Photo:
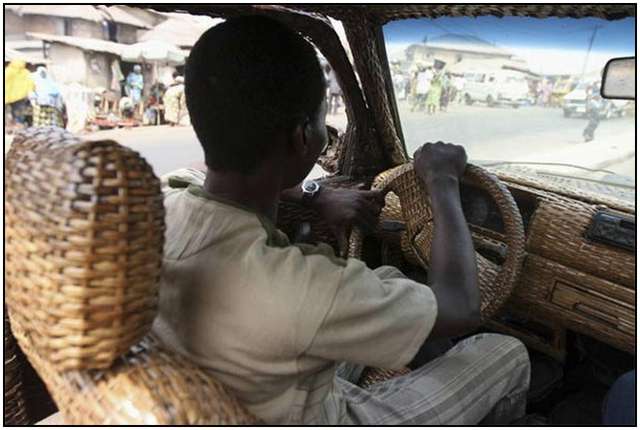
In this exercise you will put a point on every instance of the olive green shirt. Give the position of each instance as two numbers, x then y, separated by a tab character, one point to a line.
273	320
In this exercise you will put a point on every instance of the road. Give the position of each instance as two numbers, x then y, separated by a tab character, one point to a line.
506	134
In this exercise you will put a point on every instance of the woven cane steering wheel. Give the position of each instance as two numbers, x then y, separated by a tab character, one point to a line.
496	282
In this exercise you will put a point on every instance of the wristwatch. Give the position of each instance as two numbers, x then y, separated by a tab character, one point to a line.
310	190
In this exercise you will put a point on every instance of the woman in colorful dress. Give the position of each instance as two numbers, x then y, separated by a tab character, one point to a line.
48	106
18	84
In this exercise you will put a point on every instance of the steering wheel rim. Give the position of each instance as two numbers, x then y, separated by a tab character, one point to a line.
496	282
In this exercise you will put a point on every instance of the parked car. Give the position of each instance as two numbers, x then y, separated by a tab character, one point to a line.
496	88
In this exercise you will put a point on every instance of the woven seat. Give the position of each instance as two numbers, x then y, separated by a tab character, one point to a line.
84	238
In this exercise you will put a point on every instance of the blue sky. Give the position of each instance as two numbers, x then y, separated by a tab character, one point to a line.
566	33
549	46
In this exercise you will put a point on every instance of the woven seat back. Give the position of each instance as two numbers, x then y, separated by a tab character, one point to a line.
84	237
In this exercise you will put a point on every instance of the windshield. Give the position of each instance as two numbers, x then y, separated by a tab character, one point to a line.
498	87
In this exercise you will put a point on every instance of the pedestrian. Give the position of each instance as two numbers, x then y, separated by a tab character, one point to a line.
446	92
133	87
423	84
335	93
547	88
593	107
175	102
48	105
152	104
458	85
399	85
111	96
435	92
18	84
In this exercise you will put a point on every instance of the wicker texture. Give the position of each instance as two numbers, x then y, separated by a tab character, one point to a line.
147	385
554	190
15	408
384	13
495	283
555	293
84	244
370	70
557	232
374	375
292	215
85	227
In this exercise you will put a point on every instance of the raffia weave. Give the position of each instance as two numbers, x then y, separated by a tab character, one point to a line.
495	283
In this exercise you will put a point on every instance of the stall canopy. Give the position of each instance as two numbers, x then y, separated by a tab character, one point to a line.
153	51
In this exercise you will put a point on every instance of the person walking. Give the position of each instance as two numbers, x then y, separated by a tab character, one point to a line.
18	84
435	92
458	85
422	88
593	108
446	92
134	86
48	105
174	102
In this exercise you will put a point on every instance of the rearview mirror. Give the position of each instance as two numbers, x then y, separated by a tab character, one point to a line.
619	79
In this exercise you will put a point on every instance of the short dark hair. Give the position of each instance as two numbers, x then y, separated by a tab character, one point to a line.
247	79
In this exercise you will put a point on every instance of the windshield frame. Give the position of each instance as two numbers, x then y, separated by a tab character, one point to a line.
388	83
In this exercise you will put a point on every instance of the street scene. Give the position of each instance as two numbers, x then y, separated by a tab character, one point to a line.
115	72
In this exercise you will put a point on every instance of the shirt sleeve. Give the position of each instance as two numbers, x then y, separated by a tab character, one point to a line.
376	319
181	178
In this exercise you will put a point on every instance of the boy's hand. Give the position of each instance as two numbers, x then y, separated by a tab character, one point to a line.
433	161
341	208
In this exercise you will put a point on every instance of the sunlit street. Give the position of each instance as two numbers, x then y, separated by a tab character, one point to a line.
526	134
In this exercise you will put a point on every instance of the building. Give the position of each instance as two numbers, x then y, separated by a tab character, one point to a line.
454	48
98	22
180	30
81	60
122	26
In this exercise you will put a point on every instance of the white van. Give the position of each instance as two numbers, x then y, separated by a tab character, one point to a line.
495	87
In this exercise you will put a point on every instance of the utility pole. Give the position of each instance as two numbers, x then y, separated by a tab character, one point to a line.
586	58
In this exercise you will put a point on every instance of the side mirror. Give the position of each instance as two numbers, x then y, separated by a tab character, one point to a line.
619	79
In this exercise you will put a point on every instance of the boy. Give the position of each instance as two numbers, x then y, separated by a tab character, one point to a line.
289	328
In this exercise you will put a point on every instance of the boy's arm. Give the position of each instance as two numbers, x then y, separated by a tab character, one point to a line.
453	273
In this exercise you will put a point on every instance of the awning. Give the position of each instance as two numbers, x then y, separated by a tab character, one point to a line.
153	51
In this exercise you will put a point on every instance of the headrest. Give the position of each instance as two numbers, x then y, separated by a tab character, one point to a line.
84	238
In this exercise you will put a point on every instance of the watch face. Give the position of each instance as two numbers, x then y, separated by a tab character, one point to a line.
310	186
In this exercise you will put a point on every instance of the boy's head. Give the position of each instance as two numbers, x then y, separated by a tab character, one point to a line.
255	88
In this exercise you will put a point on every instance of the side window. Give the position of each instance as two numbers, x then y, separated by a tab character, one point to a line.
336	120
